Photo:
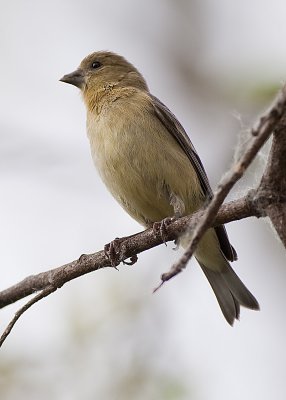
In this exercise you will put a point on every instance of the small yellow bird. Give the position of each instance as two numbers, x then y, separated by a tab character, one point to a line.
147	161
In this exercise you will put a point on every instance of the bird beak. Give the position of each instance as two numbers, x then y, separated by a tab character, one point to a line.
75	78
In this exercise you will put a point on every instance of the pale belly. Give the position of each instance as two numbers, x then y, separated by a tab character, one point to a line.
142	170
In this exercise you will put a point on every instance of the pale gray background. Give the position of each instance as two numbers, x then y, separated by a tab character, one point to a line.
105	336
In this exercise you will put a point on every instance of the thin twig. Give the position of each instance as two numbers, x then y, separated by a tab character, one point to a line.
44	293
265	127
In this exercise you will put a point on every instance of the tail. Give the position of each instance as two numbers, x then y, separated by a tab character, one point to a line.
212	254
230	292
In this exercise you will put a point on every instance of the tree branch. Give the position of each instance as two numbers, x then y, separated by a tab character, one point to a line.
273	182
46	292
130	246
49	281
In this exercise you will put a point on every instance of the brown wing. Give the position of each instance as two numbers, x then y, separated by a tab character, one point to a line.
177	131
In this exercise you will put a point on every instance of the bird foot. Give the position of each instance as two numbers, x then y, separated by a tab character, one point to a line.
160	228
114	251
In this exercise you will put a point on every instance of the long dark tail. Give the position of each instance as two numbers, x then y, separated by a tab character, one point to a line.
230	292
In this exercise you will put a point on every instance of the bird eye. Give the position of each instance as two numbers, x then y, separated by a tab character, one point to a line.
95	64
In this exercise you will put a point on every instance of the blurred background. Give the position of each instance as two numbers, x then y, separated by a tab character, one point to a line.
217	66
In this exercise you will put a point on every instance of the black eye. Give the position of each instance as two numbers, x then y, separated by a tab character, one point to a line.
95	64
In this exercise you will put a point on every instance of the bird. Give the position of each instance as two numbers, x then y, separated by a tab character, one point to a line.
149	164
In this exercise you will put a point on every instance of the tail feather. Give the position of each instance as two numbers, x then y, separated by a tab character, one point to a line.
230	292
239	290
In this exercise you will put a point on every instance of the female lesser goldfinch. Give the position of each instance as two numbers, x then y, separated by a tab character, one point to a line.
150	166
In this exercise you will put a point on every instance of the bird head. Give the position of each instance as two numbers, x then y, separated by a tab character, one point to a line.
104	69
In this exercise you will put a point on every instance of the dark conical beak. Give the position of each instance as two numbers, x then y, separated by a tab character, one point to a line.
75	78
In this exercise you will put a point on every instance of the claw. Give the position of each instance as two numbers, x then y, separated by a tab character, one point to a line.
132	261
177	245
82	258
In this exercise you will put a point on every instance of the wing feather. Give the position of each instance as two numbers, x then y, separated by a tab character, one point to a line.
174	127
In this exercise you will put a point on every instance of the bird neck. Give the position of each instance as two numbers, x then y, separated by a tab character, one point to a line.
103	96
109	88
